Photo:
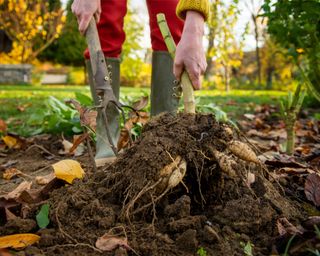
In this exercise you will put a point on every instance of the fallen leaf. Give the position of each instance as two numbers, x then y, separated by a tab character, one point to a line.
123	139
312	188
10	173
43	216
12	142
23	107
43	180
295	171
78	147
249	116
68	170
8	164
67	145
139	117
140	104
3	126
14	194
9	215
32	196
18	241
110	242
285	227
88	117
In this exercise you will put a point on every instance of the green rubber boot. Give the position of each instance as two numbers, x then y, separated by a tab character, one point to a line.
104	153
165	94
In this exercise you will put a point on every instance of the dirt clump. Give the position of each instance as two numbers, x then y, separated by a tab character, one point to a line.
170	195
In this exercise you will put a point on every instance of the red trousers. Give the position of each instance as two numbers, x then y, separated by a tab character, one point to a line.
110	27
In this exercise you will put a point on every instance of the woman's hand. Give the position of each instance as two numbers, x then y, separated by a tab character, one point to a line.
84	10
190	53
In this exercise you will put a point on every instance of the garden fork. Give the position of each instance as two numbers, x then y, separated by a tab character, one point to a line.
101	79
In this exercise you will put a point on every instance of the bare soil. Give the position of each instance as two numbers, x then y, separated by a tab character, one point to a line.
209	209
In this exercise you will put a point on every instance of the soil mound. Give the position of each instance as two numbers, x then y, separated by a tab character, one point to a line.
217	201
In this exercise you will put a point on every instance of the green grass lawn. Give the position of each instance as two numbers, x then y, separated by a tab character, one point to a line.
19	102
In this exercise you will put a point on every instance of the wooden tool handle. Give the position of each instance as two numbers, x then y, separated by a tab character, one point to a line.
93	43
187	88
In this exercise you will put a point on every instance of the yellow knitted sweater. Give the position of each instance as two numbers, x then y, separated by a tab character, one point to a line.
201	6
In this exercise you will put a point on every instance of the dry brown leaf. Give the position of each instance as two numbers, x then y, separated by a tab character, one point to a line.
312	188
89	119
9	215
110	242
14	194
87	116
18	241
285	227
140	117
78	146
43	180
140	104
10	173
67	145
3	126
123	139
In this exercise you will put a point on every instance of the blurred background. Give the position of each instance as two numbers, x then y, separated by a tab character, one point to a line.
257	51
240	52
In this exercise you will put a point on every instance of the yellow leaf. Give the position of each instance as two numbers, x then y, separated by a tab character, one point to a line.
68	170
10	141
18	241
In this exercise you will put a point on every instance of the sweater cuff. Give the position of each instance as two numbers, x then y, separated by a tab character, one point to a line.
201	6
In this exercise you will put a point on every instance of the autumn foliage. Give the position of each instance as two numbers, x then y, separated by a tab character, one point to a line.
31	26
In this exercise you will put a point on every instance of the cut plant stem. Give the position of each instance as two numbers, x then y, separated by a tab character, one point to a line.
187	89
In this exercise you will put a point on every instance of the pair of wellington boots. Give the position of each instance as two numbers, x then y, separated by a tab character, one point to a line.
164	98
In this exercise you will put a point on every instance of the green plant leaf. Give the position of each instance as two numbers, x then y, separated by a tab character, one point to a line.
43	216
83	99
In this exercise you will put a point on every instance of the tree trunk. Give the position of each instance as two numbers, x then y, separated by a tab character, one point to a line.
226	78
209	49
269	78
256	35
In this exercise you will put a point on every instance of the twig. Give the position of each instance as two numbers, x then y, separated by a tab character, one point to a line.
42	169
42	148
60	228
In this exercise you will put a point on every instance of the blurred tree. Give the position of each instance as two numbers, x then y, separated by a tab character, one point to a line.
259	25
212	25
295	24
69	47
31	26
224	48
132	66
275	63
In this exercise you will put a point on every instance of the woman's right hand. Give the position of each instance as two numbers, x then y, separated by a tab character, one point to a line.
84	10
